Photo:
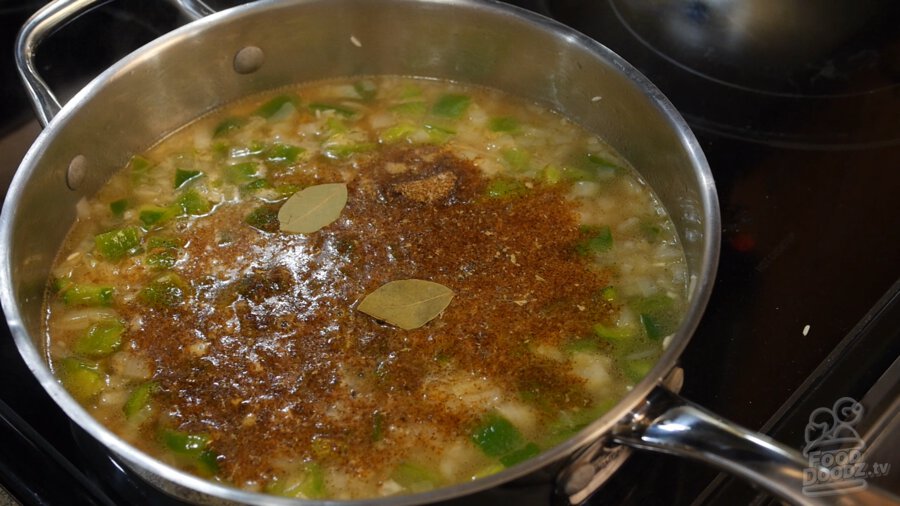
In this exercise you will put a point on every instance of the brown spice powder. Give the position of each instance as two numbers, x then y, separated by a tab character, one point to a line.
292	371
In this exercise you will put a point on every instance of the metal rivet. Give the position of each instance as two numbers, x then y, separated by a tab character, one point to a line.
76	172
248	60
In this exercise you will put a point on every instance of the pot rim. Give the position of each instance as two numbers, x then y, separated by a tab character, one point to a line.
699	290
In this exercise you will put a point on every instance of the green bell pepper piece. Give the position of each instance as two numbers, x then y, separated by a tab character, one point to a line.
306	483
651	230
102	338
635	370
161	260
184	443
162	252
283	154
227	126
438	134
615	334
117	244
274	106
157	215
489	470
414	108
587	344
496	436
516	159
415	478
451	105
366	89
192	203
342	151
118	207
397	133
87	295
569	423
256	184
82	379
551	174
264	217
167	290
139	169
241	173
594	240
162	242
609	294
182	176
504	124
286	190
194	447
313	484
505	188
598	161
658	314
139	399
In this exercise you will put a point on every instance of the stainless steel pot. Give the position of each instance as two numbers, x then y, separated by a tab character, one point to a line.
269	44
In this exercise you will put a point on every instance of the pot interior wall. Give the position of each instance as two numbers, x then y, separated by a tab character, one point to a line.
178	78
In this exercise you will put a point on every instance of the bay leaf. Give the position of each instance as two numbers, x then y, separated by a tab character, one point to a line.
312	208
407	303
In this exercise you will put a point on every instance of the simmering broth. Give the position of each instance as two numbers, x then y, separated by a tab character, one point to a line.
367	287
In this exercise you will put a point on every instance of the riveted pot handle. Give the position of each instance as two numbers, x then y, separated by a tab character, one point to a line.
46	21
670	424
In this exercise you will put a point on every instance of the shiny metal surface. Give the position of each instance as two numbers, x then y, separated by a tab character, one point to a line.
195	9
671	424
588	469
46	21
747	44
190	71
35	30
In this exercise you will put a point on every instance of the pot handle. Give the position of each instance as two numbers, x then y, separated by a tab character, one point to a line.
670	424
46	21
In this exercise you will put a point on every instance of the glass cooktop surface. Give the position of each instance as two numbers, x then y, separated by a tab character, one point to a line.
796	108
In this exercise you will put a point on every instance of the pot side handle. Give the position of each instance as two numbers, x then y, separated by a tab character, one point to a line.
47	20
670	424
38	27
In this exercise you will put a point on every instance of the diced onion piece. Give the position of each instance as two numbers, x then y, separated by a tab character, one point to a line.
593	368
130	365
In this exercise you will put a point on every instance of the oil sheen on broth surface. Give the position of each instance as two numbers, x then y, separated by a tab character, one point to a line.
361	288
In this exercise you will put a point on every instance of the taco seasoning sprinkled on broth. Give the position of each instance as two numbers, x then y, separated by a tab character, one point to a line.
352	289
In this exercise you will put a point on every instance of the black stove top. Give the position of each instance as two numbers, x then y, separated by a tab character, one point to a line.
798	111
